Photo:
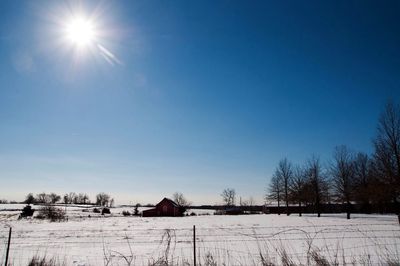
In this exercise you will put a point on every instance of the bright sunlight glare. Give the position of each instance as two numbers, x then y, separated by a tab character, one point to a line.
83	35
80	31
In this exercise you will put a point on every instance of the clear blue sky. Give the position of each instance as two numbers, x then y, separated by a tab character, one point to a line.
200	96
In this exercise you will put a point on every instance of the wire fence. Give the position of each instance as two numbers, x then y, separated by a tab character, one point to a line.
233	245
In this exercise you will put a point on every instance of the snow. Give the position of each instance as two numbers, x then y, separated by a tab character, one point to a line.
237	240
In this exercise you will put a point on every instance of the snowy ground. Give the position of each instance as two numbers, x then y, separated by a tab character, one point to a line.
235	240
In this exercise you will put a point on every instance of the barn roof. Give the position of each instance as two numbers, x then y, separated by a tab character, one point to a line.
170	201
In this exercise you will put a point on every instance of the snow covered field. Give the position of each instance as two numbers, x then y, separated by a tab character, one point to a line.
235	240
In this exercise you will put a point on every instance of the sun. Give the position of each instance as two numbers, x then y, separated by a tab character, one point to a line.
85	35
80	32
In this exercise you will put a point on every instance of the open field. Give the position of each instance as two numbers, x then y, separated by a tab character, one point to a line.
233	240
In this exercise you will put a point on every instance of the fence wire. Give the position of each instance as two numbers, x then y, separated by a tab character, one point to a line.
236	245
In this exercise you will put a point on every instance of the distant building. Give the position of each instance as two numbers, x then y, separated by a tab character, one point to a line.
166	207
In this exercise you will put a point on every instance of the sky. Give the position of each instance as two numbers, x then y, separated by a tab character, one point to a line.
189	96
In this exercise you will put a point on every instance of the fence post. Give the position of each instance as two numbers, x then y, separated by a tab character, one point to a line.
194	245
8	247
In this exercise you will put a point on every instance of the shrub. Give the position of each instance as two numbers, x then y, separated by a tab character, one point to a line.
95	210
136	211
126	213
51	213
44	261
105	211
27	211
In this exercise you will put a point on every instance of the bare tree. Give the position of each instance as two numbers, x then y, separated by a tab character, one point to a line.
71	197
102	199
65	199
298	187
318	184
247	204
54	198
180	199
29	199
285	173
228	196
79	198
250	203
42	198
387	151
342	171
363	184
85	199
182	202
275	190
75	199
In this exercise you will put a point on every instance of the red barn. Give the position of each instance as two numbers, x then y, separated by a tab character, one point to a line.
166	207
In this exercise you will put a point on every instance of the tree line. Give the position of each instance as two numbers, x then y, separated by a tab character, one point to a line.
102	199
370	180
